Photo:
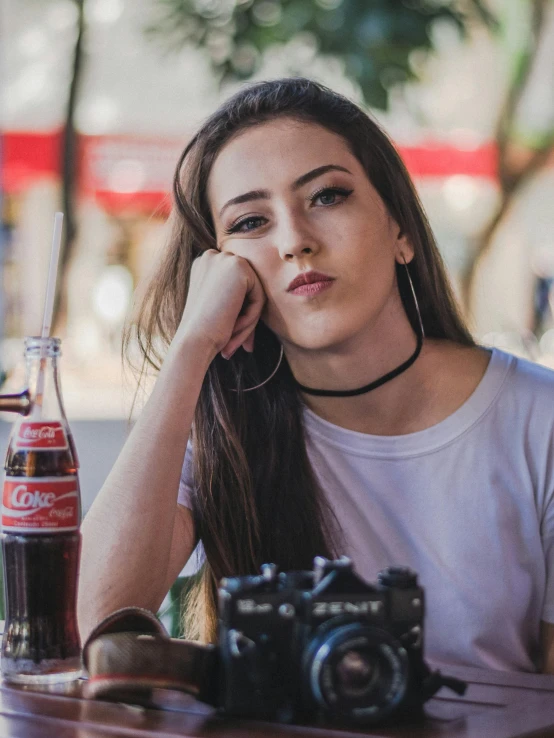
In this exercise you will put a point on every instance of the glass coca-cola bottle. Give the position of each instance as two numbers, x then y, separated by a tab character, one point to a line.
41	514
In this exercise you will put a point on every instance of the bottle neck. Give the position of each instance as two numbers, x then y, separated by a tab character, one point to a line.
43	383
42	378
41	443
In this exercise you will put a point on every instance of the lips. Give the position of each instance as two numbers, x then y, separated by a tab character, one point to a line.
307	278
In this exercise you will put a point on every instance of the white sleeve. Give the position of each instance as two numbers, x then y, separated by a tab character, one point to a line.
186	483
548	547
186	486
547	537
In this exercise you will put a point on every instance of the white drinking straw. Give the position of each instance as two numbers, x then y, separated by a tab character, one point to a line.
52	275
49	303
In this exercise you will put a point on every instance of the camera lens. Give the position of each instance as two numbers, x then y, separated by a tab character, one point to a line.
356	672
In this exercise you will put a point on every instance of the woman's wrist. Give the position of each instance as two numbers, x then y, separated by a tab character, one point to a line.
187	346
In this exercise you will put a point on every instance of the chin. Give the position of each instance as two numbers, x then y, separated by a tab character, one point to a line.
316	332
316	340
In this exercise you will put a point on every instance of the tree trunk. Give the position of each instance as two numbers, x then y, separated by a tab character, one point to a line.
511	176
483	245
69	170
514	181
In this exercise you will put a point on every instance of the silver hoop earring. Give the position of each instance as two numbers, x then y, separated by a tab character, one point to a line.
273	373
415	298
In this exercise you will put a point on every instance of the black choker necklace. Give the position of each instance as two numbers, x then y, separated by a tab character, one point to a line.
372	385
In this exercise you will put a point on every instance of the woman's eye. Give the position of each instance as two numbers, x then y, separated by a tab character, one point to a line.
330	196
245	225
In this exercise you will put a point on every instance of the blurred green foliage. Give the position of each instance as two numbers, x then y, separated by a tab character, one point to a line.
171	612
374	39
2	605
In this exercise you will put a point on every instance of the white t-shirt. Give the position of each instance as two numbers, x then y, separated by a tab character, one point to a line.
468	504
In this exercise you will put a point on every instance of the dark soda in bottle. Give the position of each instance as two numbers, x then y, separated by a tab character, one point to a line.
41	514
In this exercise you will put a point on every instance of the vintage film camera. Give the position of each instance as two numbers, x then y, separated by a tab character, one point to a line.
297	646
301	645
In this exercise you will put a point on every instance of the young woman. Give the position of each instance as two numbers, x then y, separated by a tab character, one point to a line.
334	400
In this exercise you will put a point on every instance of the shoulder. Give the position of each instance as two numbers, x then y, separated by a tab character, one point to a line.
525	399
523	375
473	365
495	385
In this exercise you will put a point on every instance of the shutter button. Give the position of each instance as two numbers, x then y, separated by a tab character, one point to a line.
397	576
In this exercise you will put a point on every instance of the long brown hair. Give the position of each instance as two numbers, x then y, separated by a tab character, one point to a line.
256	498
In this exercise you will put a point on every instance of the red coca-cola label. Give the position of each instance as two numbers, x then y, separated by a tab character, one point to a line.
40	504
41	435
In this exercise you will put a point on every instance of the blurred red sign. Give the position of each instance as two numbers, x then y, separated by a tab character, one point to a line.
26	157
129	172
135	173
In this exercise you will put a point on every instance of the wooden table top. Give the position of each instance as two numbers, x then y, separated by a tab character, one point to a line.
496	705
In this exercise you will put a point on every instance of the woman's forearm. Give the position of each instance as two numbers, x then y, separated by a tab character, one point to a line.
127	533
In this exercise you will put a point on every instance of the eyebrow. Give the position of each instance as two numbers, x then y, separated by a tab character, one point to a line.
297	184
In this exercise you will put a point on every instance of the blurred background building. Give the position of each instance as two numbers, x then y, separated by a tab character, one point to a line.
99	97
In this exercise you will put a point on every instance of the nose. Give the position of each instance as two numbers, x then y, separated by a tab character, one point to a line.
294	239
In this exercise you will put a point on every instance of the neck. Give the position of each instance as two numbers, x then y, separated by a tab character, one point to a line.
435	386
355	366
394	408
371	386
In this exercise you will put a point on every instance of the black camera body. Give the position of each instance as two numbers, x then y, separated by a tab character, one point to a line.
323	643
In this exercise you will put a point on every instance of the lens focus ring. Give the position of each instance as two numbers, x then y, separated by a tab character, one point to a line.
356	671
